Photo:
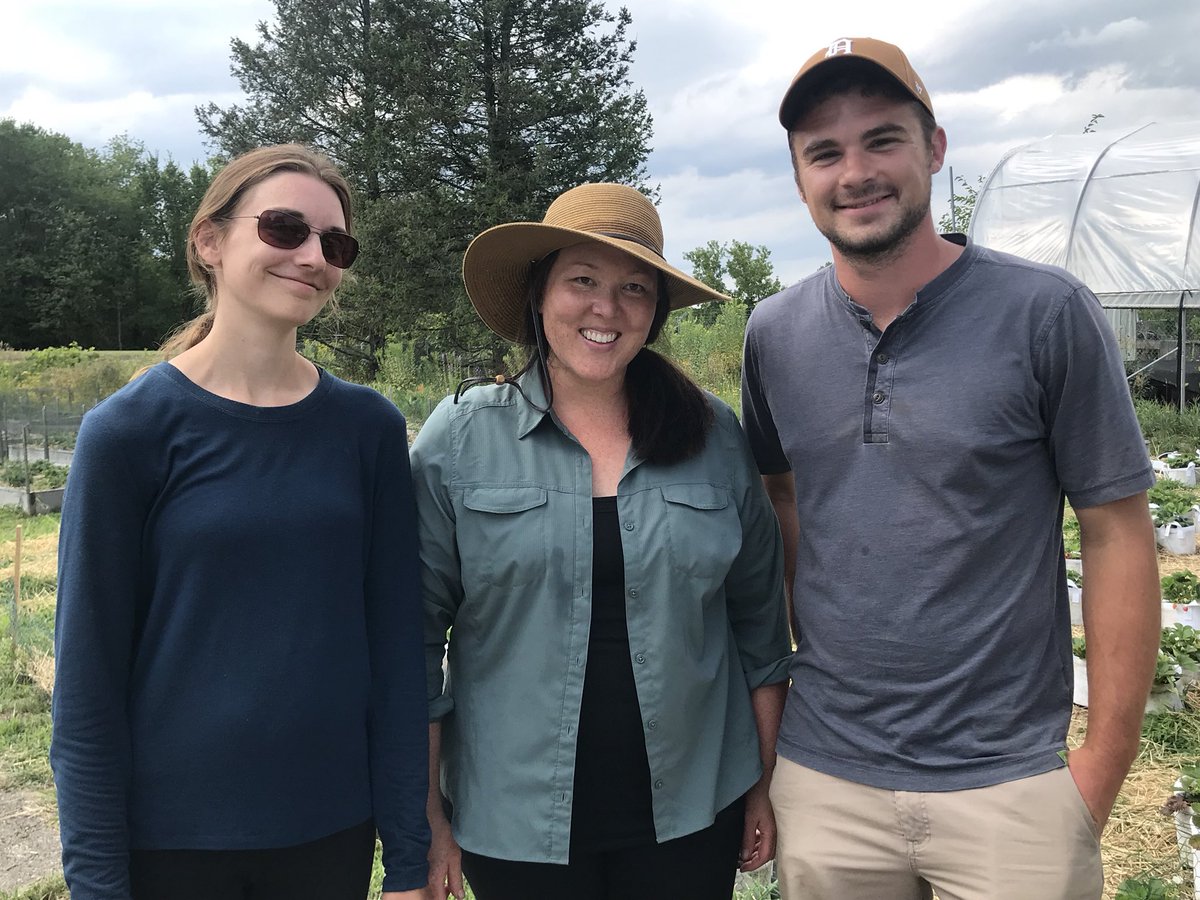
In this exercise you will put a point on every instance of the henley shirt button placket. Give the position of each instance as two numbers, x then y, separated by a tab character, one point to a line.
882	359
879	397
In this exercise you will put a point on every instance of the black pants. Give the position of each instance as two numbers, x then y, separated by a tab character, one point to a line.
337	867
698	866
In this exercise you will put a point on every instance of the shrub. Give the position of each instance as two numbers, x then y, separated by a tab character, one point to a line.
43	475
1166	429
711	355
1167	490
1142	889
1181	587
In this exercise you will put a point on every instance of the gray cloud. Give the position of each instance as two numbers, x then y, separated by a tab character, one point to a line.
718	153
1069	39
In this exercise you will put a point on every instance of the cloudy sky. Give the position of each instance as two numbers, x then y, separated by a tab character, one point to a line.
713	71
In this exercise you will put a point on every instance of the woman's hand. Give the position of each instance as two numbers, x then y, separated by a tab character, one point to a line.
758	834
445	862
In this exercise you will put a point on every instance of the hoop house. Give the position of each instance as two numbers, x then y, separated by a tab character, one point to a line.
1121	214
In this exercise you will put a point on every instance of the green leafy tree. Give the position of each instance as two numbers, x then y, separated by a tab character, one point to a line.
737	269
92	241
959	219
448	116
168	197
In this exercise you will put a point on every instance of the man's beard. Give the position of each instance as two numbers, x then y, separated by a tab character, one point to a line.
884	247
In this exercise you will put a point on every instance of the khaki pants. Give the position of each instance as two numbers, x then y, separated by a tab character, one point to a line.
1030	839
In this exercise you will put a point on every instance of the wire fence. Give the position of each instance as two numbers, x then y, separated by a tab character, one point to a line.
33	428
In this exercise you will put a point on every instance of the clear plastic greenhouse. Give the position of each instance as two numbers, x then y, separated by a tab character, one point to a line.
1121	213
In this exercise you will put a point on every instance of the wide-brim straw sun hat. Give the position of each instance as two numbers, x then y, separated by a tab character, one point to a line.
497	264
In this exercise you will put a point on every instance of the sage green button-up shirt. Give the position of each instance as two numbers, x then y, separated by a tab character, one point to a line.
504	497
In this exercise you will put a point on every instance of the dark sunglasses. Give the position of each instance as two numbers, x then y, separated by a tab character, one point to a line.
287	232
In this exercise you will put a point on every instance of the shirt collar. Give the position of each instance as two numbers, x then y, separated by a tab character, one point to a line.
529	415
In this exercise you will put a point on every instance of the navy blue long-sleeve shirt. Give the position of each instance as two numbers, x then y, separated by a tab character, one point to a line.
238	647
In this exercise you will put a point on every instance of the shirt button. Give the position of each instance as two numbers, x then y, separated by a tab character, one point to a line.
639	658
658	784
653	723
629	526
878	396
882	358
633	593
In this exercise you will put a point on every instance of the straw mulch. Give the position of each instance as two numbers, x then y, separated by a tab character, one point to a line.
1139	841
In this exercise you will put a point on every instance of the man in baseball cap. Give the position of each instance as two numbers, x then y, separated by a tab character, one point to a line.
919	409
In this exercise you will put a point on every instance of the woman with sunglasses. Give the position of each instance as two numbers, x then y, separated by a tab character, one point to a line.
239	702
596	541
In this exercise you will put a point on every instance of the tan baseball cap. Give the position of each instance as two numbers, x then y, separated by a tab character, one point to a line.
887	56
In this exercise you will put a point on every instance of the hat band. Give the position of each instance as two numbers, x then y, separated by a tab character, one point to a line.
632	240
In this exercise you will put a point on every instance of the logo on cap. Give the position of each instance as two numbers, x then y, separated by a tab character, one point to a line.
841	45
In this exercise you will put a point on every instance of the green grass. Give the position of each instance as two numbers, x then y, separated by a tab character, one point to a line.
24	725
1175	734
31	526
1167	429
50	888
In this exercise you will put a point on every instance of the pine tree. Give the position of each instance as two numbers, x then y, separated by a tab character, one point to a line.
449	116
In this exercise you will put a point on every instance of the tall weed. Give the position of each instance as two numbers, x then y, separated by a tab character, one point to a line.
710	354
1167	429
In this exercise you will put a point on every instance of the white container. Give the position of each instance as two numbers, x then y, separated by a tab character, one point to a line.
1163	700
1179	540
1080	694
1184	829
1075	599
1185	475
1074	564
1182	613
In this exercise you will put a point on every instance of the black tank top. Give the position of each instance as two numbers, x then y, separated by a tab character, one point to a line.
612	806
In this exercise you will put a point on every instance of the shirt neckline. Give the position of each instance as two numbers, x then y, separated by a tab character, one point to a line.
291	411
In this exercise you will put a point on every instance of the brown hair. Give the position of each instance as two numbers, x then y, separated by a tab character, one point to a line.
219	203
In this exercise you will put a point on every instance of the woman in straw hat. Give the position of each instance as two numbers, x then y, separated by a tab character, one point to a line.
240	702
596	535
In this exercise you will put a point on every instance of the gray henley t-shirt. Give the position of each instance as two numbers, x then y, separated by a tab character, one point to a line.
931	464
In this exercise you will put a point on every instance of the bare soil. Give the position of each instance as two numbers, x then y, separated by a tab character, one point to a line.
29	847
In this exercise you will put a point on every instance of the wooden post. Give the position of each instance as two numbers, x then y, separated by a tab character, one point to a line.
45	435
16	609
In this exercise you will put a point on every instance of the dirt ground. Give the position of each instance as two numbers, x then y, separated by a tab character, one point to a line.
29	848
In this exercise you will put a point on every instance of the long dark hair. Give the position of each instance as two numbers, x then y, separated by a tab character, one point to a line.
669	416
